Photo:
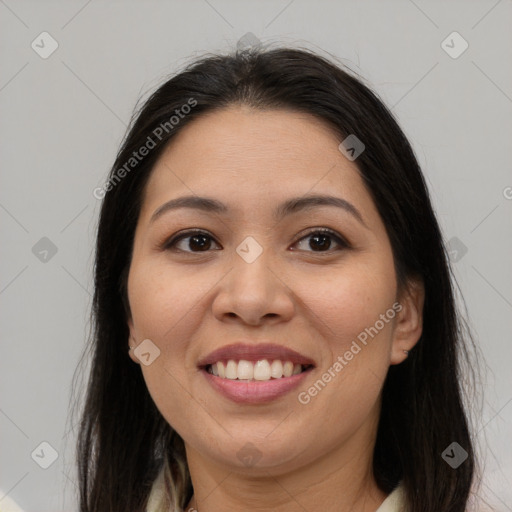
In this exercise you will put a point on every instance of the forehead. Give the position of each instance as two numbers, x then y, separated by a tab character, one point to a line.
248	156
239	133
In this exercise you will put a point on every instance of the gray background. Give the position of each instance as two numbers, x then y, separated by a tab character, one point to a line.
64	117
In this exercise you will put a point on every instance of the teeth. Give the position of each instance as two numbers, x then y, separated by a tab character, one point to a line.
288	369
260	370
245	370
231	370
276	369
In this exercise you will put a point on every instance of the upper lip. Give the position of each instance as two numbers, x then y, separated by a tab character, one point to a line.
255	352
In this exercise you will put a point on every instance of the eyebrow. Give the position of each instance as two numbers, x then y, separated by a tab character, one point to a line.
290	206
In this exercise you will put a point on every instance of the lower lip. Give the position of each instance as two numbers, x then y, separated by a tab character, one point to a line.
254	391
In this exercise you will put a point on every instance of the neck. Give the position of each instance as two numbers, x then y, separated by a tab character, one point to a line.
341	481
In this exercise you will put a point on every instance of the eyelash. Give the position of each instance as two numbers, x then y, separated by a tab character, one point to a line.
169	245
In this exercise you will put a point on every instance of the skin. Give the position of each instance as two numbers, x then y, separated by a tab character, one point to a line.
315	456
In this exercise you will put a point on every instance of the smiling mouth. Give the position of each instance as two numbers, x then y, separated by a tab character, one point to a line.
262	370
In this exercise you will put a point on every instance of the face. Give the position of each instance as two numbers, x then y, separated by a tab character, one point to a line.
256	273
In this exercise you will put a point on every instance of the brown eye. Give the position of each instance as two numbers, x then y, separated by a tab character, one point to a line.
194	241
321	240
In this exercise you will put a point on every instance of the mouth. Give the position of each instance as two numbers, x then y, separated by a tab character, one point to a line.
255	374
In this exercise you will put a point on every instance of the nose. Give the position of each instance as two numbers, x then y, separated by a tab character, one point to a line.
253	293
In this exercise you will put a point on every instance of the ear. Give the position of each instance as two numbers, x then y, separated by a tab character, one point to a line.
409	320
131	342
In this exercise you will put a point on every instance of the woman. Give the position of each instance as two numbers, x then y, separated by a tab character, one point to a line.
275	326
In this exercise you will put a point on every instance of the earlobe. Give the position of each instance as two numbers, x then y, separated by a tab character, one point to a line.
409	321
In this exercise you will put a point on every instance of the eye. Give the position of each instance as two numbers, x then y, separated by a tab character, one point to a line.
198	241
320	240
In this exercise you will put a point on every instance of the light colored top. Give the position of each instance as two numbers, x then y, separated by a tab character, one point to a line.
393	503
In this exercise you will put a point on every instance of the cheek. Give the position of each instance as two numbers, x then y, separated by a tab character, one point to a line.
165	308
348	310
350	300
159	298
168	307
357	347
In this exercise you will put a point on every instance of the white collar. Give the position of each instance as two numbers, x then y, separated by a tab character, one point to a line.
393	503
